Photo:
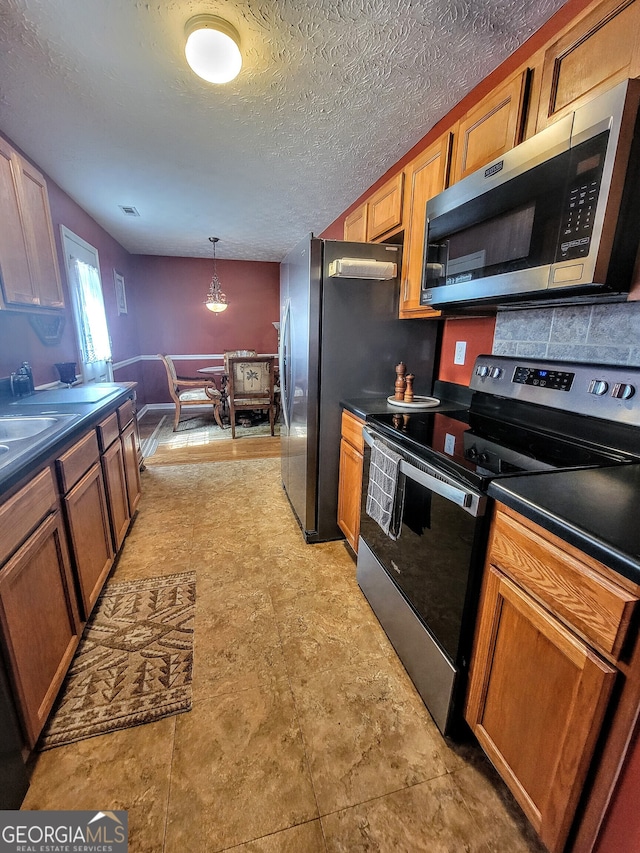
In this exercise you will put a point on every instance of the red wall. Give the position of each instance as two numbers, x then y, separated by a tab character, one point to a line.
478	334
173	319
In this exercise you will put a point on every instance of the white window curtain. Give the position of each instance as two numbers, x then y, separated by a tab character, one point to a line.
92	322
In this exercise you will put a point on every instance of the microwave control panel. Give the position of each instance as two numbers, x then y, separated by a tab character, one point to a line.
576	226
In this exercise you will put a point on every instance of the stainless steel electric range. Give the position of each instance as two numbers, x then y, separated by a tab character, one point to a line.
422	576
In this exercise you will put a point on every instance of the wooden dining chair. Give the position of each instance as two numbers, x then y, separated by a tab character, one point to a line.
235	353
190	392
250	386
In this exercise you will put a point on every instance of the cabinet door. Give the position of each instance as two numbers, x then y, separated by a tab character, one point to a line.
425	177
385	208
90	534
492	127
116	486
355	224
131	466
42	250
15	275
349	489
598	52
39	621
536	701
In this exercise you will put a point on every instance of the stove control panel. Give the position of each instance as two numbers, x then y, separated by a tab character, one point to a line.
603	391
556	380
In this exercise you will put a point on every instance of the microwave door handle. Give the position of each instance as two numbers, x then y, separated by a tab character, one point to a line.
469	501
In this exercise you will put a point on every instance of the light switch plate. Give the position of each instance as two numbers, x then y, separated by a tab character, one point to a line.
461	352
449	443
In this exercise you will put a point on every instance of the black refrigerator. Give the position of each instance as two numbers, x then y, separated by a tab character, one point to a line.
340	339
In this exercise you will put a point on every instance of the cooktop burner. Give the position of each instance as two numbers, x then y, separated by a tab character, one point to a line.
525	417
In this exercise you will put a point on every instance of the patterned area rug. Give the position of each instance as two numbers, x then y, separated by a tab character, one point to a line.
198	432
134	661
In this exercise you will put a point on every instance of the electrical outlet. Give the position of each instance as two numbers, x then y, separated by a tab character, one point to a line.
461	352
449	443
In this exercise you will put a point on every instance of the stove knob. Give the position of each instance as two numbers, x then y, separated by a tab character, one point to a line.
482	370
623	391
496	372
483	457
598	387
472	453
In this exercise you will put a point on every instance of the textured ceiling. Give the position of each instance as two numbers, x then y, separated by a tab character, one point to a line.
332	93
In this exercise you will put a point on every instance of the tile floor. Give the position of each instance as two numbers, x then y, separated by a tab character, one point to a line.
306	734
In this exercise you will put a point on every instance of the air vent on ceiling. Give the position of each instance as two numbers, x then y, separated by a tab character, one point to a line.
128	210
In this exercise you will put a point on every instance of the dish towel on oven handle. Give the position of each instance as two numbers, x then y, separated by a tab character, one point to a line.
384	495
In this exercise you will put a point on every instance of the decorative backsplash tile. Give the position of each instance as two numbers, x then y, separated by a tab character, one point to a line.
608	333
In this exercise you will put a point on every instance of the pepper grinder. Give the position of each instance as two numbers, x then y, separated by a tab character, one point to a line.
401	382
408	394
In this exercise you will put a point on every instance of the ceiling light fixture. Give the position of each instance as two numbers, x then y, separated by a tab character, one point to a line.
213	48
216	300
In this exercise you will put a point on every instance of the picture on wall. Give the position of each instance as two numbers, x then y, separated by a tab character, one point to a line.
121	296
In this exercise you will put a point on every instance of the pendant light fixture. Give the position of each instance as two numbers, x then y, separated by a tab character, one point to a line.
216	300
213	48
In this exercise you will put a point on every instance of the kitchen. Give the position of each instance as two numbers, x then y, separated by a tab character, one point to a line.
588	333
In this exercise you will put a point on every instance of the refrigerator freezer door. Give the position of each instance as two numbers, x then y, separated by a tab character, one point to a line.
300	312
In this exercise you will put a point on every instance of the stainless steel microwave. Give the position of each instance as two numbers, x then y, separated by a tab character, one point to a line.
557	217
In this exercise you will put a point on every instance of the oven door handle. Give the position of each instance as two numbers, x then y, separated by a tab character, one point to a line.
471	502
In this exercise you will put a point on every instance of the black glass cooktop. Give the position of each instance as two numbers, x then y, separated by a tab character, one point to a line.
480	448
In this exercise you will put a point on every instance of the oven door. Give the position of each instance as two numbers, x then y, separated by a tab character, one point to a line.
423	586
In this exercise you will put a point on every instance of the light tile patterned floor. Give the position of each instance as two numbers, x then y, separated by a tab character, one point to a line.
306	734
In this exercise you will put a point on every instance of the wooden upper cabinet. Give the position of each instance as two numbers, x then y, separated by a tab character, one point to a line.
15	276
385	208
492	127
602	49
355	224
28	259
425	177
379	216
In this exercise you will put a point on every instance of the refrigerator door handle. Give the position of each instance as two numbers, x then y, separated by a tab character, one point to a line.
284	359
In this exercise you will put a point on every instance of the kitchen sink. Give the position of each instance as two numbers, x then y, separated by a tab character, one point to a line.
15	429
23	435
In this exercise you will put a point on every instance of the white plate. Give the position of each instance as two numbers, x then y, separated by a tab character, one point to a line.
418	403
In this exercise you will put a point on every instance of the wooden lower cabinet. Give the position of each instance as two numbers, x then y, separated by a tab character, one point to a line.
39	620
540	678
131	466
115	482
350	480
90	535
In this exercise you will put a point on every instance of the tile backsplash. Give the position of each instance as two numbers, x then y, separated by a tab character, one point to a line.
608	333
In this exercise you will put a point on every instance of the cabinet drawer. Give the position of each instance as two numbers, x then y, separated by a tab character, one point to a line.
571	588
24	511
77	460
352	430
125	414
108	431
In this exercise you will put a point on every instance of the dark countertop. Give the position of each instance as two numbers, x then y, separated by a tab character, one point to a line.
451	397
59	401
596	510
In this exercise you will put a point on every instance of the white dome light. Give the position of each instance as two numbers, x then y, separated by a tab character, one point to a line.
213	48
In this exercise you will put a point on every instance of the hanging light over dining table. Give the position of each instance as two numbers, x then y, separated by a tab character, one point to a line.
216	300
